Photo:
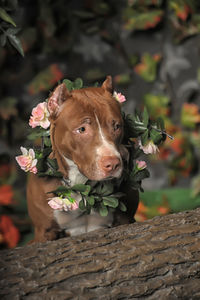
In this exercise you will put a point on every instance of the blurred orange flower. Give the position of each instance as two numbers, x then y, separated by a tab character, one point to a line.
6	194
184	12
139	217
190	115
177	143
142	208
140	213
9	233
163	210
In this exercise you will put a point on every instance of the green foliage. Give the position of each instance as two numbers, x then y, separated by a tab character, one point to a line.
77	84
157	105
178	199
147	68
141	20
6	27
5	16
142	126
45	79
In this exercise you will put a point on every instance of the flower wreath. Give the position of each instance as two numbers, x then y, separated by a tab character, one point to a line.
142	136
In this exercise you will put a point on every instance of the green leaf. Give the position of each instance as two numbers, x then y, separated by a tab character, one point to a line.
47	141
155	136
82	205
78	83
69	84
60	189
104	189
145	116
118	195
145	137
103	211
90	200
5	16
140	175
87	191
135	185
69	197
107	189
160	123
57	174
110	201
82	188
141	20
122	206
37	133
15	42
13	31
53	163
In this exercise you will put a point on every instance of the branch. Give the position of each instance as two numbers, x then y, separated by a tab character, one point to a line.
156	259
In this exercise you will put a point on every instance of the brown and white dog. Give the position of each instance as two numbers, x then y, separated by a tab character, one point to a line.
86	134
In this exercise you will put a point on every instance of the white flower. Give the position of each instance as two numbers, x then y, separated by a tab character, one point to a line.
62	204
27	160
149	148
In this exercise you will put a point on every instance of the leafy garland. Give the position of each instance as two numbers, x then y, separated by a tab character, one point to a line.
141	136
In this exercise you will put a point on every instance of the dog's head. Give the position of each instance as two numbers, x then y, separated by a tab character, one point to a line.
87	128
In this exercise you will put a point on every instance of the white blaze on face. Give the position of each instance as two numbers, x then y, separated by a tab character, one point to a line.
106	148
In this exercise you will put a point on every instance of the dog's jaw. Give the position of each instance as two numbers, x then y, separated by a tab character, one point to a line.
74	175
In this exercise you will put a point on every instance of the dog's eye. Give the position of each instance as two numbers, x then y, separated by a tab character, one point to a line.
117	126
81	129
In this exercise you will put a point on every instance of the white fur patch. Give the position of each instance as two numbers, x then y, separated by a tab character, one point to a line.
74	176
75	222
106	148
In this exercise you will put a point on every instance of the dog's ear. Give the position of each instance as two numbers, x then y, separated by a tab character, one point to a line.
107	84
57	98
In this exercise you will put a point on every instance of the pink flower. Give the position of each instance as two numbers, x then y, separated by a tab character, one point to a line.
141	164
149	148
27	160
74	206
40	116
119	97
56	203
62	204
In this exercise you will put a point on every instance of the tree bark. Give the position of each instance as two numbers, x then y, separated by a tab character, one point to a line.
156	259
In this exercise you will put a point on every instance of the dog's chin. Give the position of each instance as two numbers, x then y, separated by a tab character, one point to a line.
105	177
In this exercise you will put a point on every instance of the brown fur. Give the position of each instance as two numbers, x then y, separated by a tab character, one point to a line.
70	111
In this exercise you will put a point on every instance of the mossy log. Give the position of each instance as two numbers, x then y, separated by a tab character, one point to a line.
156	259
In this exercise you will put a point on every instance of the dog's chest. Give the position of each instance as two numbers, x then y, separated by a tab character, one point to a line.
76	222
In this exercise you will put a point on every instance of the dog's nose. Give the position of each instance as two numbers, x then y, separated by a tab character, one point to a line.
110	163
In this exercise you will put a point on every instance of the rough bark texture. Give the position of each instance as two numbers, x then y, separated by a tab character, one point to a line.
157	259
